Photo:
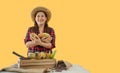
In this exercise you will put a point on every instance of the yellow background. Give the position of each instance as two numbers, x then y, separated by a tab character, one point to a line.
87	31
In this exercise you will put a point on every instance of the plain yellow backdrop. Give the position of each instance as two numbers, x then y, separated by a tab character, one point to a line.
87	31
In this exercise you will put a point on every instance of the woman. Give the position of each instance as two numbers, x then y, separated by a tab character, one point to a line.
40	17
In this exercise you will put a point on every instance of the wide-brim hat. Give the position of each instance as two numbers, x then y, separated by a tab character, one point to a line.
38	9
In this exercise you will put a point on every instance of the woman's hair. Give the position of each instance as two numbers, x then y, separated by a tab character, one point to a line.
35	28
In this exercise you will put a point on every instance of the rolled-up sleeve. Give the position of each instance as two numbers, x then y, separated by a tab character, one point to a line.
27	37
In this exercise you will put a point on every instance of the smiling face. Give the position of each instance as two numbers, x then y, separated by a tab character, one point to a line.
40	18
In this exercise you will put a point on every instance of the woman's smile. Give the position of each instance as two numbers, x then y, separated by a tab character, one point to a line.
41	20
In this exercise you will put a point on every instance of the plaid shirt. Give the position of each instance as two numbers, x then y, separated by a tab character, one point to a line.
38	47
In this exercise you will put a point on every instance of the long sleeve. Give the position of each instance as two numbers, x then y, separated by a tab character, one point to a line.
52	33
27	38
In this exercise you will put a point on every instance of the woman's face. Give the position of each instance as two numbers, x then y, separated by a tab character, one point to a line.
40	18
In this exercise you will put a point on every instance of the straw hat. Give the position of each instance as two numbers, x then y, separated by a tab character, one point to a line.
37	9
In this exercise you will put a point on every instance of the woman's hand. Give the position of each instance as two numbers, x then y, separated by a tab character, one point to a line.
46	40
37	41
45	44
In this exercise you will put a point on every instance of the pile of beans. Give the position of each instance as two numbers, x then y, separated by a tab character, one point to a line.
60	66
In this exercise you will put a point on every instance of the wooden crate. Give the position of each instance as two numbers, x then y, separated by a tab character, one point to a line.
35	64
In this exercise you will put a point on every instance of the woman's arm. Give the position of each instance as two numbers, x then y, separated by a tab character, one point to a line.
46	45
36	42
30	44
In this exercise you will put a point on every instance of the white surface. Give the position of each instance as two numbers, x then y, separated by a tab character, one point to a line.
74	69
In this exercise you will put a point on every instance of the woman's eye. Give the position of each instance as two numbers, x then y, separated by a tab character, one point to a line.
38	16
42	15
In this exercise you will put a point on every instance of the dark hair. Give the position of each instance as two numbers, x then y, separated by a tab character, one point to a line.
35	28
